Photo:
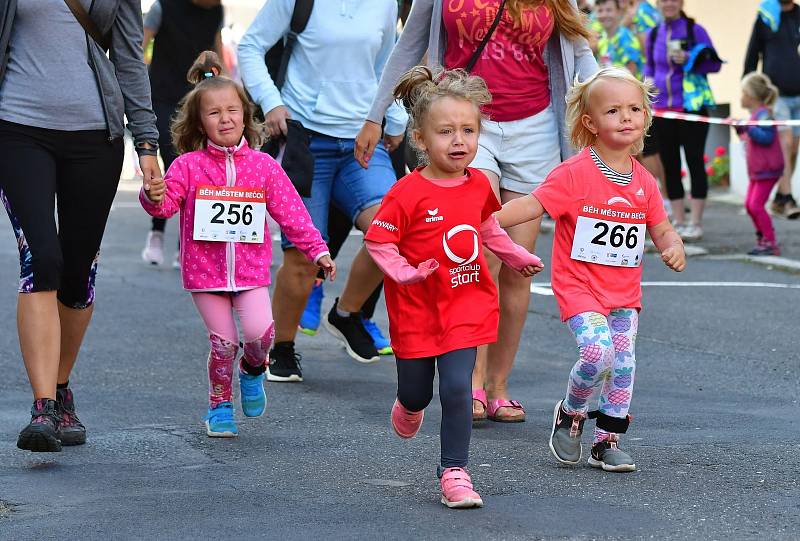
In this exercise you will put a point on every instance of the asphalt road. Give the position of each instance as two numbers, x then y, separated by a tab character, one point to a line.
715	434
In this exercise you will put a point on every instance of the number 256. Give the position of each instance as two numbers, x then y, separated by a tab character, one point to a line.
234	216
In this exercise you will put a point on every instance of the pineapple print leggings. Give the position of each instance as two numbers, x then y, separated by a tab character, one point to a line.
606	347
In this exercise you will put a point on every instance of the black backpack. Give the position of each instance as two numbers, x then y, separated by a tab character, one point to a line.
277	58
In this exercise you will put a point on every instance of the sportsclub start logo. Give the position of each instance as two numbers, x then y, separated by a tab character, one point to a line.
465	273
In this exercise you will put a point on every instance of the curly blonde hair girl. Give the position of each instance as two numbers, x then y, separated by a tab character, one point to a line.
421	86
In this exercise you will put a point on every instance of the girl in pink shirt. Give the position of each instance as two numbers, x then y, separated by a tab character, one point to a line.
603	201
427	238
223	190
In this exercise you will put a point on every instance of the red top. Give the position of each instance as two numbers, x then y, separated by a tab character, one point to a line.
582	286
512	62
456	306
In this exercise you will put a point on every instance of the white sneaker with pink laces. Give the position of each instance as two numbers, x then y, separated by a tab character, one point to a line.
406	423
457	491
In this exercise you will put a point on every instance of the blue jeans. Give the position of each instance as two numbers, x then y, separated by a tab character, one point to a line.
788	108
339	179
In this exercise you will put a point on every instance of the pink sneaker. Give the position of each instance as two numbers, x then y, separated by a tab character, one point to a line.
406	423
457	490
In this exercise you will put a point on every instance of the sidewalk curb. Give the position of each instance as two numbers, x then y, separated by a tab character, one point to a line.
782	263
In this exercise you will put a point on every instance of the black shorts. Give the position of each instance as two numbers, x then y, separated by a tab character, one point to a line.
80	171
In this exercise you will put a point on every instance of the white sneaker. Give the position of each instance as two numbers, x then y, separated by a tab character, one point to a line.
153	252
176	263
691	232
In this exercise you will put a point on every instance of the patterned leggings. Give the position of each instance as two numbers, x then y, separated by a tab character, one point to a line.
606	347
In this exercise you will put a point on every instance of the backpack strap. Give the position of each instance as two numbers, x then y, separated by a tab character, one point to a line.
651	59
300	16
88	24
476	55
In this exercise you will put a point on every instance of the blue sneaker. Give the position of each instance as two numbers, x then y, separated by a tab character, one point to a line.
254	399
220	422
309	321
381	342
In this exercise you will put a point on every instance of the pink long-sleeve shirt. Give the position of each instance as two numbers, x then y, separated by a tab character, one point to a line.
233	266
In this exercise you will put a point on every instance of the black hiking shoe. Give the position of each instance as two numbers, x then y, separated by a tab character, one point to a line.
40	435
70	429
351	332
284	363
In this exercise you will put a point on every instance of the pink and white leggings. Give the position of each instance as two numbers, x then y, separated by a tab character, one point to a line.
255	316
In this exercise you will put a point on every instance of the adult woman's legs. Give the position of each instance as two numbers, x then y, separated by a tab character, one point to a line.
692	136
90	166
669	147
515	294
494	362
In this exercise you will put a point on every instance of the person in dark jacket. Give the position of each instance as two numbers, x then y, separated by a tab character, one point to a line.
182	29
62	103
774	41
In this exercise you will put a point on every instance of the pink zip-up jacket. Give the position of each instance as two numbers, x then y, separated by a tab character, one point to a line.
233	266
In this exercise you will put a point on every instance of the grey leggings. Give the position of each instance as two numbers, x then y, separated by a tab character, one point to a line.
415	391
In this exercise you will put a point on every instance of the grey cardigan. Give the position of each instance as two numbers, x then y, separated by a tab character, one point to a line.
121	76
424	31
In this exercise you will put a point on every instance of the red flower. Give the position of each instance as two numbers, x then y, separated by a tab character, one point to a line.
710	171
720	151
705	158
683	173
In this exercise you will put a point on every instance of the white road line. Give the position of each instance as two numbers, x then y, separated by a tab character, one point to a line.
544	288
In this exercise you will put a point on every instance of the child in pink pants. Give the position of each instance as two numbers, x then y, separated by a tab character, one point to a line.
764	158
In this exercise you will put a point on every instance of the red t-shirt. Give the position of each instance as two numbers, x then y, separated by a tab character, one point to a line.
512	62
455	307
578	188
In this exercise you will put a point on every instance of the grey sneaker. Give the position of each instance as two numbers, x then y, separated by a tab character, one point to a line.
565	438
608	456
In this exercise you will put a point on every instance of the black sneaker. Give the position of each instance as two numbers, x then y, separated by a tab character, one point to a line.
352	333
790	208
284	363
70	429
40	435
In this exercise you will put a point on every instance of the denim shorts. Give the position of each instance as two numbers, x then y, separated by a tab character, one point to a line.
788	108
339	179
520	152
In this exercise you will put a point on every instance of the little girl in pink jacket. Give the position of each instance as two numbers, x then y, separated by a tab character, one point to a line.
224	189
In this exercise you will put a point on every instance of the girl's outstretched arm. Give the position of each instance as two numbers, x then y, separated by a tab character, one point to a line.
510	253
670	245
396	267
520	210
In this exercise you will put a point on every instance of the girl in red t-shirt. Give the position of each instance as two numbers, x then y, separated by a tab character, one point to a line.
602	201
427	239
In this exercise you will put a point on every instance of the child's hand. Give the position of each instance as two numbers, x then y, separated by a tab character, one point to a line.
427	267
674	257
328	266
530	270
157	189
